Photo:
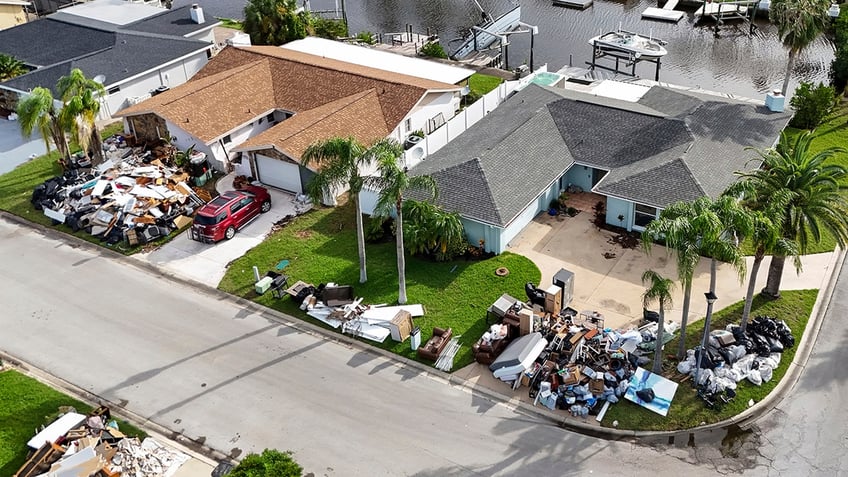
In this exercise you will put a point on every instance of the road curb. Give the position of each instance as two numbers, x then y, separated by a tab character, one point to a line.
746	418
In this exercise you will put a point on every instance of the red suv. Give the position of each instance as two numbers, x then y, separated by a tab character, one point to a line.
230	211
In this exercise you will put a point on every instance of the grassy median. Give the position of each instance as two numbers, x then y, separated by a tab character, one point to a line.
25	405
687	410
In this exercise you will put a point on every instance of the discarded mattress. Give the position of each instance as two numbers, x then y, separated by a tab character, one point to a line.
56	429
519	351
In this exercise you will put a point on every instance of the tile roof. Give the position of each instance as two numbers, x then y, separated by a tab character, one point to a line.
670	146
240	84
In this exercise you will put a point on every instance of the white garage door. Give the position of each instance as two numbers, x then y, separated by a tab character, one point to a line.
279	174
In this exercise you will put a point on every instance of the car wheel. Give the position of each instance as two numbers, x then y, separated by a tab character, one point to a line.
230	233
266	206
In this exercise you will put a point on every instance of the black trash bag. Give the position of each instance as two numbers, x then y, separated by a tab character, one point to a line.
727	355
706	360
785	335
646	395
775	346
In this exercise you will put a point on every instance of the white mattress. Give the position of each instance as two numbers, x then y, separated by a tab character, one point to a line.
511	371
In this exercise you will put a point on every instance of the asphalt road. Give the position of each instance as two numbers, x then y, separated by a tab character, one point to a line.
240	382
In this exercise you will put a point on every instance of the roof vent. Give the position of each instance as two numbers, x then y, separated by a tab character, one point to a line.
197	14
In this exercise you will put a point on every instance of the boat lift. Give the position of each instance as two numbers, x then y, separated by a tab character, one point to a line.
621	55
745	10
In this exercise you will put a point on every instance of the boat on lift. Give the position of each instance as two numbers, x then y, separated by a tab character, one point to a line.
487	31
634	43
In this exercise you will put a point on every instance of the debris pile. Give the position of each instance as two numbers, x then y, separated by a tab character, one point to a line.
132	197
733	355
76	445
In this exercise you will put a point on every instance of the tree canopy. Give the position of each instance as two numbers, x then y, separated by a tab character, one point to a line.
275	22
271	463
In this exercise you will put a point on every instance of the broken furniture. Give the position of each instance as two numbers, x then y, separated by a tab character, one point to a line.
499	308
333	295
518	357
436	344
401	326
491	344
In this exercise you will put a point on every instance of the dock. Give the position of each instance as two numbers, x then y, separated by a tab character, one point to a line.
581	4
722	10
666	13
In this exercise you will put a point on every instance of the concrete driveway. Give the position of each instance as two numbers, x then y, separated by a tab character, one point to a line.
613	285
207	263
14	148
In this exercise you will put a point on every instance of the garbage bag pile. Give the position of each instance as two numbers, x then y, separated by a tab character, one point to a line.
733	355
131	198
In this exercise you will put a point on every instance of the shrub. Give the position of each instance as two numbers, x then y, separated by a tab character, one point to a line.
378	230
366	37
271	463
839	69
329	28
434	50
812	105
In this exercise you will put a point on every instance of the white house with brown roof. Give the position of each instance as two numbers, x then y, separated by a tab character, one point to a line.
256	109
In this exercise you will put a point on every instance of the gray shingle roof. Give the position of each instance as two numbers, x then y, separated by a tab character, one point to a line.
607	138
670	146
176	21
492	171
46	42
121	61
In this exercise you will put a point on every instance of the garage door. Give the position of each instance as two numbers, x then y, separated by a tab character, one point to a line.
279	174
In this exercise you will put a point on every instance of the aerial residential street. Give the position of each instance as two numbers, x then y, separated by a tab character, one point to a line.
240	382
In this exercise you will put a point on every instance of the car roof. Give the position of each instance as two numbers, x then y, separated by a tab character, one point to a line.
214	206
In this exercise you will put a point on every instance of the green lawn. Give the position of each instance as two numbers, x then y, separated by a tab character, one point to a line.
686	409
232	23
833	133
26	404
321	247
481	84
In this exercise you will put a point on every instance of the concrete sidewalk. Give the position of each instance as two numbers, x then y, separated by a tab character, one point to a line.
207	263
613	286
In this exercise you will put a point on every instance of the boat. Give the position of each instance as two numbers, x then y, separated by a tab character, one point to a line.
638	45
487	32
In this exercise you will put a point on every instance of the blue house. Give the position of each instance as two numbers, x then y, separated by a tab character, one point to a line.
641	156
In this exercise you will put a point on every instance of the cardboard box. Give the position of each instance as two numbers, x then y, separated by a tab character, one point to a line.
571	375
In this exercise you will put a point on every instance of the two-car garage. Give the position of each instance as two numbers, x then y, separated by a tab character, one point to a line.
278	173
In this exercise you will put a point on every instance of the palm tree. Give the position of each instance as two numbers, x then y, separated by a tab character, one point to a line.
10	67
429	229
341	162
799	23
393	182
813	193
38	111
274	22
684	244
701	227
80	96
659	290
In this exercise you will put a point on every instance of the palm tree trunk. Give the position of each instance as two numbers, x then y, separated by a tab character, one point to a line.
401	259
775	274
360	238
97	144
752	284
658	350
713	266
684	320
790	65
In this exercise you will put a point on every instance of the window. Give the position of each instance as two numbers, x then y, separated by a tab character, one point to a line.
228	139
270	117
114	90
408	125
644	215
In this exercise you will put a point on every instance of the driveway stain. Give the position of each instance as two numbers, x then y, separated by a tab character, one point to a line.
235	452
610	304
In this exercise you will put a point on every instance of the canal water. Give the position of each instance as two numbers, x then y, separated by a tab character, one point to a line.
735	62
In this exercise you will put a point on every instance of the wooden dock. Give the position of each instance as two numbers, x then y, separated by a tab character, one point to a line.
666	13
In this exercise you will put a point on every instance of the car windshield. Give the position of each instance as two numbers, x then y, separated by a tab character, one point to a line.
206	220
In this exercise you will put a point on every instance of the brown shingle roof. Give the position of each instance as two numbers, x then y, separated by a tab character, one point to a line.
357	116
241	84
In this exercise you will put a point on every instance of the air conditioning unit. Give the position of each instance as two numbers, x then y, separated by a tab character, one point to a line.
415	155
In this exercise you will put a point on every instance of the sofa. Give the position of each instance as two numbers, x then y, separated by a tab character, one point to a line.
492	343
436	344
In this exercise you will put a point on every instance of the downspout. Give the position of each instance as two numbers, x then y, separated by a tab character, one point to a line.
226	155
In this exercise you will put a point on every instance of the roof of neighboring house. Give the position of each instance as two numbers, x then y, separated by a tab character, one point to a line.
241	84
37	43
14	2
380	59
669	146
122	60
99	38
176	21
